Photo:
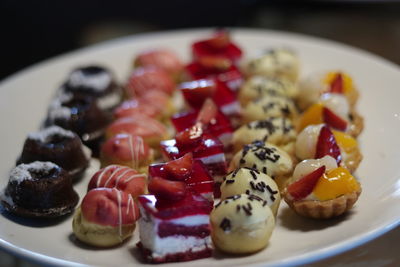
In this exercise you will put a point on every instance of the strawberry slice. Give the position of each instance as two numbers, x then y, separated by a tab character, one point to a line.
303	187
337	84
180	168
166	189
220	40
208	112
333	120
327	145
189	136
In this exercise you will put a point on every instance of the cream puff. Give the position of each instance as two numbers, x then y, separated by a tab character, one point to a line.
266	158
274	130
278	62
106	217
269	106
259	87
320	189
242	224
252	182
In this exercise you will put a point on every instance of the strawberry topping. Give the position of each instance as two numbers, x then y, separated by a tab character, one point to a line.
327	145
333	120
181	168
190	136
208	113
303	187
166	189
337	84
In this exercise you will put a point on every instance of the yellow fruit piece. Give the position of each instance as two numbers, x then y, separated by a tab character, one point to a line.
335	183
346	142
348	86
313	115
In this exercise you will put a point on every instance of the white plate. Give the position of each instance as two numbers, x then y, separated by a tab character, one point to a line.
25	96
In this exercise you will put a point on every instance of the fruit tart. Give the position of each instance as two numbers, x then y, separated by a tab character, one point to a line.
334	110
320	189
317	84
317	141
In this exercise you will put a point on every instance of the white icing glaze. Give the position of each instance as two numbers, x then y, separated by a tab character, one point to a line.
98	82
44	134
118	174
22	171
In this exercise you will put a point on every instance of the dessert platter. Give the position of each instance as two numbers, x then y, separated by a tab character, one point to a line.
218	147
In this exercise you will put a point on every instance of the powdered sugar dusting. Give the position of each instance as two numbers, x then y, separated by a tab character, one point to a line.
43	135
22	171
57	110
97	82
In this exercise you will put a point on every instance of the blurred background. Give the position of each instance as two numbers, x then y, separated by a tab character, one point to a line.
36	30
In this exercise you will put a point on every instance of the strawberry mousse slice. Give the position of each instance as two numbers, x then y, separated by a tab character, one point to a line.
212	121
185	169
197	91
174	231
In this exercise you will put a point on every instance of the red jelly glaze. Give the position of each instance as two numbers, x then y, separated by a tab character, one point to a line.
191	205
221	125
120	177
161	58
102	206
199	180
139	125
149	78
231	76
125	147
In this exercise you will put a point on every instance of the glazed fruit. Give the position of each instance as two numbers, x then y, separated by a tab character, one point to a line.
161	58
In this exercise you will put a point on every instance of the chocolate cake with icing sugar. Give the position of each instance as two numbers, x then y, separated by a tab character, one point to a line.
57	145
40	190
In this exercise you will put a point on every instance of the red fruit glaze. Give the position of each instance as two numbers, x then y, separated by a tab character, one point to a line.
190	136
109	207
161	58
190	205
303	187
140	125
333	120
218	45
120	177
199	181
197	91
125	148
181	168
327	145
166	189
336	85
232	76
149	78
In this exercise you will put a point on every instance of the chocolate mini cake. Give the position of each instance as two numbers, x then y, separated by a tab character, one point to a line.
57	145
97	82
40	190
81	115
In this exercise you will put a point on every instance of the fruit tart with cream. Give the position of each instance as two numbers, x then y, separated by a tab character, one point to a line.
321	189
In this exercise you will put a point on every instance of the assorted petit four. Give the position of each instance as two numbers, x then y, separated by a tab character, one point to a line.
165	141
241	224
96	82
59	146
279	62
39	190
252	182
106	217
